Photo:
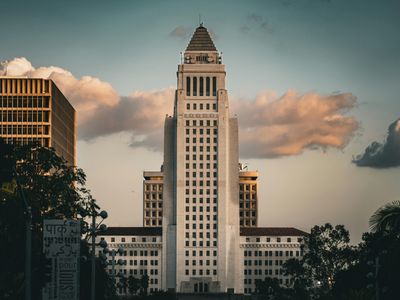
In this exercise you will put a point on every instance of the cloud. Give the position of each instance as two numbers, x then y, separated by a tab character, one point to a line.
100	109
141	113
180	32
183	32
272	127
256	22
384	155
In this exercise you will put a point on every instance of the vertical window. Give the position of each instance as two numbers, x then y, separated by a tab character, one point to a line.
194	86
201	86
187	86
207	86
214	83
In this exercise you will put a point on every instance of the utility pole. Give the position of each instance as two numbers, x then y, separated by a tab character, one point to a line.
93	274
28	239
376	277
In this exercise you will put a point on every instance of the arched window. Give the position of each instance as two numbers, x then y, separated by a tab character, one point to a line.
194	86
200	287
214	86
207	86
187	86
195	288
206	288
201	86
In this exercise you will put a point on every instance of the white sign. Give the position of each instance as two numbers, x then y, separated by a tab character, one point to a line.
61	244
61	238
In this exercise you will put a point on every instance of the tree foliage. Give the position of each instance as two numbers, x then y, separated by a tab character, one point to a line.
386	218
53	189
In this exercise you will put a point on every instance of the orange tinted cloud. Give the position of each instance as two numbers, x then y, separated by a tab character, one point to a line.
273	127
270	126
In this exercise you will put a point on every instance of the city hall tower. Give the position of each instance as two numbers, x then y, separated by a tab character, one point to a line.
200	220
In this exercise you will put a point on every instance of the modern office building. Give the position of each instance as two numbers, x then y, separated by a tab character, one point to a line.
205	196
33	110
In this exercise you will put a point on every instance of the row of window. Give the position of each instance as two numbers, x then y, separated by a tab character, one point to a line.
24	102
157	222
278	240
201	200
201	235
134	239
45	142
200	149
201	140
201	165
200	262
153	187
247	187
153	213
24	116
153	204
195	86
194	208
194	217
201	244
201	174
152	195
201	226
201	106
201	122
25	129
247	222
201	272
24	85
201	191
247	214
142	262
201	183
137	271
201	252
207	131
288	253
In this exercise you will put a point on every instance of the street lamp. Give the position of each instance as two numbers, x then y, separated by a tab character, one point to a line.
114	262
93	230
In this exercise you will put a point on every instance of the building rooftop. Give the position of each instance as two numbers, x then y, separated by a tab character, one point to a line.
244	231
201	41
271	231
149	231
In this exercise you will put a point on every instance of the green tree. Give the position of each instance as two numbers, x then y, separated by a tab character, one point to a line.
133	285
386	218
53	189
300	278
326	253
144	283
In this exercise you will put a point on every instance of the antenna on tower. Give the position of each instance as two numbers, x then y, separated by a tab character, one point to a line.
200	21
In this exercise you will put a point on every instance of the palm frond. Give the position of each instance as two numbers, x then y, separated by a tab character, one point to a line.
386	218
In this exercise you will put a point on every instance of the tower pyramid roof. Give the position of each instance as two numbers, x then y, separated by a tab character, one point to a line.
201	41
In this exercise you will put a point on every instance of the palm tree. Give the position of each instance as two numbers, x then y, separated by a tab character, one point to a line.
386	218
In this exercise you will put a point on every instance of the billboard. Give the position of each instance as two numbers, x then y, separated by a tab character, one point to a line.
61	244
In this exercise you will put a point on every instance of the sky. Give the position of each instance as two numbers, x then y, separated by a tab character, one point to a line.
314	84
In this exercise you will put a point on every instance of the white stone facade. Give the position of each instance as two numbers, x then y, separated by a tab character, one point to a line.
201	246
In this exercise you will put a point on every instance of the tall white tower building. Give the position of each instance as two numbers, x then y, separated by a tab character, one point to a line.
201	178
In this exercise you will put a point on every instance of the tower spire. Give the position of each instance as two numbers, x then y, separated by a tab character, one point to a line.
201	40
